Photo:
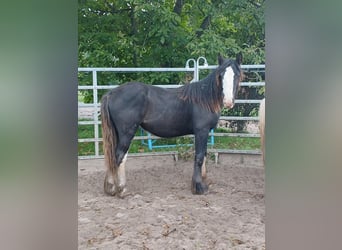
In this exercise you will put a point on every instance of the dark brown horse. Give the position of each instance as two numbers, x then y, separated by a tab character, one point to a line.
191	109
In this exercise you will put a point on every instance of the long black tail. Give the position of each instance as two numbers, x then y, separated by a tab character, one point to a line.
109	135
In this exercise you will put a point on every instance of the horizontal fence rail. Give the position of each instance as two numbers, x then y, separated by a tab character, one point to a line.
95	106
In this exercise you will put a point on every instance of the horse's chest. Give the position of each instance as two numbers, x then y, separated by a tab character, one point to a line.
206	120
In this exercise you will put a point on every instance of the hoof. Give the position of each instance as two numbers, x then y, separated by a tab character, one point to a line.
109	188
122	192
199	188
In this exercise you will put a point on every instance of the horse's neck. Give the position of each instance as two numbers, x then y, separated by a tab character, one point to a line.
208	80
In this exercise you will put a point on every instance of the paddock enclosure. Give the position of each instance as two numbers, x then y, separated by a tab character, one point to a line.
160	212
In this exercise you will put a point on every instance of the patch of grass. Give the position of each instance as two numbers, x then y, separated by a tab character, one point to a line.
223	130
80	96
85	131
245	143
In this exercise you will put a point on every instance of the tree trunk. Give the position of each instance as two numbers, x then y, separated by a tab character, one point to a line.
133	34
178	7
205	25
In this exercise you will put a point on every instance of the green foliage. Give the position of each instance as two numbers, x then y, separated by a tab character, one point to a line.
136	33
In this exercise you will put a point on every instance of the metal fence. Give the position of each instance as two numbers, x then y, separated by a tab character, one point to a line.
194	69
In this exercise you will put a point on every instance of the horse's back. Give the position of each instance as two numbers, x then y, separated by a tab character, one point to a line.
128	91
135	98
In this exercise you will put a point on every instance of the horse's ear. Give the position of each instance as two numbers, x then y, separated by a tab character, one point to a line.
220	59
239	58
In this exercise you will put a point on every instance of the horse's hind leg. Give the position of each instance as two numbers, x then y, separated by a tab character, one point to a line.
115	179
115	182
125	138
121	177
109	183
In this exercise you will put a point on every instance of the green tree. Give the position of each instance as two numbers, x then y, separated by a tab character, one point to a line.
136	33
166	33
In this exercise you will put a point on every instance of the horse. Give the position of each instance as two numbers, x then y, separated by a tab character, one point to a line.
190	109
262	128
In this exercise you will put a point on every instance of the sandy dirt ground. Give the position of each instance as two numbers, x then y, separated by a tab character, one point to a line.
160	211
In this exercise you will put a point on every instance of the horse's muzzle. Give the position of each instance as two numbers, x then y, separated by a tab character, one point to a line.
228	104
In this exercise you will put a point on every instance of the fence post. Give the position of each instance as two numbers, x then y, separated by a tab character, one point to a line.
187	66
205	64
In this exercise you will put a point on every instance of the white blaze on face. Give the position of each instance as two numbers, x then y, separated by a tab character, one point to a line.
228	88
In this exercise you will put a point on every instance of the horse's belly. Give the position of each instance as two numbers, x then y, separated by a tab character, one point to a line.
165	128
168	117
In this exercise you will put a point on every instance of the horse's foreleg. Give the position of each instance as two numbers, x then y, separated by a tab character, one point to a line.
198	186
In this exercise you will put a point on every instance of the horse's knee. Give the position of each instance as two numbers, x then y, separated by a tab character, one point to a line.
199	159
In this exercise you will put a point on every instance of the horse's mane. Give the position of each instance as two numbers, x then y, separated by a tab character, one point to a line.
207	92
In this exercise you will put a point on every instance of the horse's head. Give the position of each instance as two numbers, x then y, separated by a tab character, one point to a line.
229	74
